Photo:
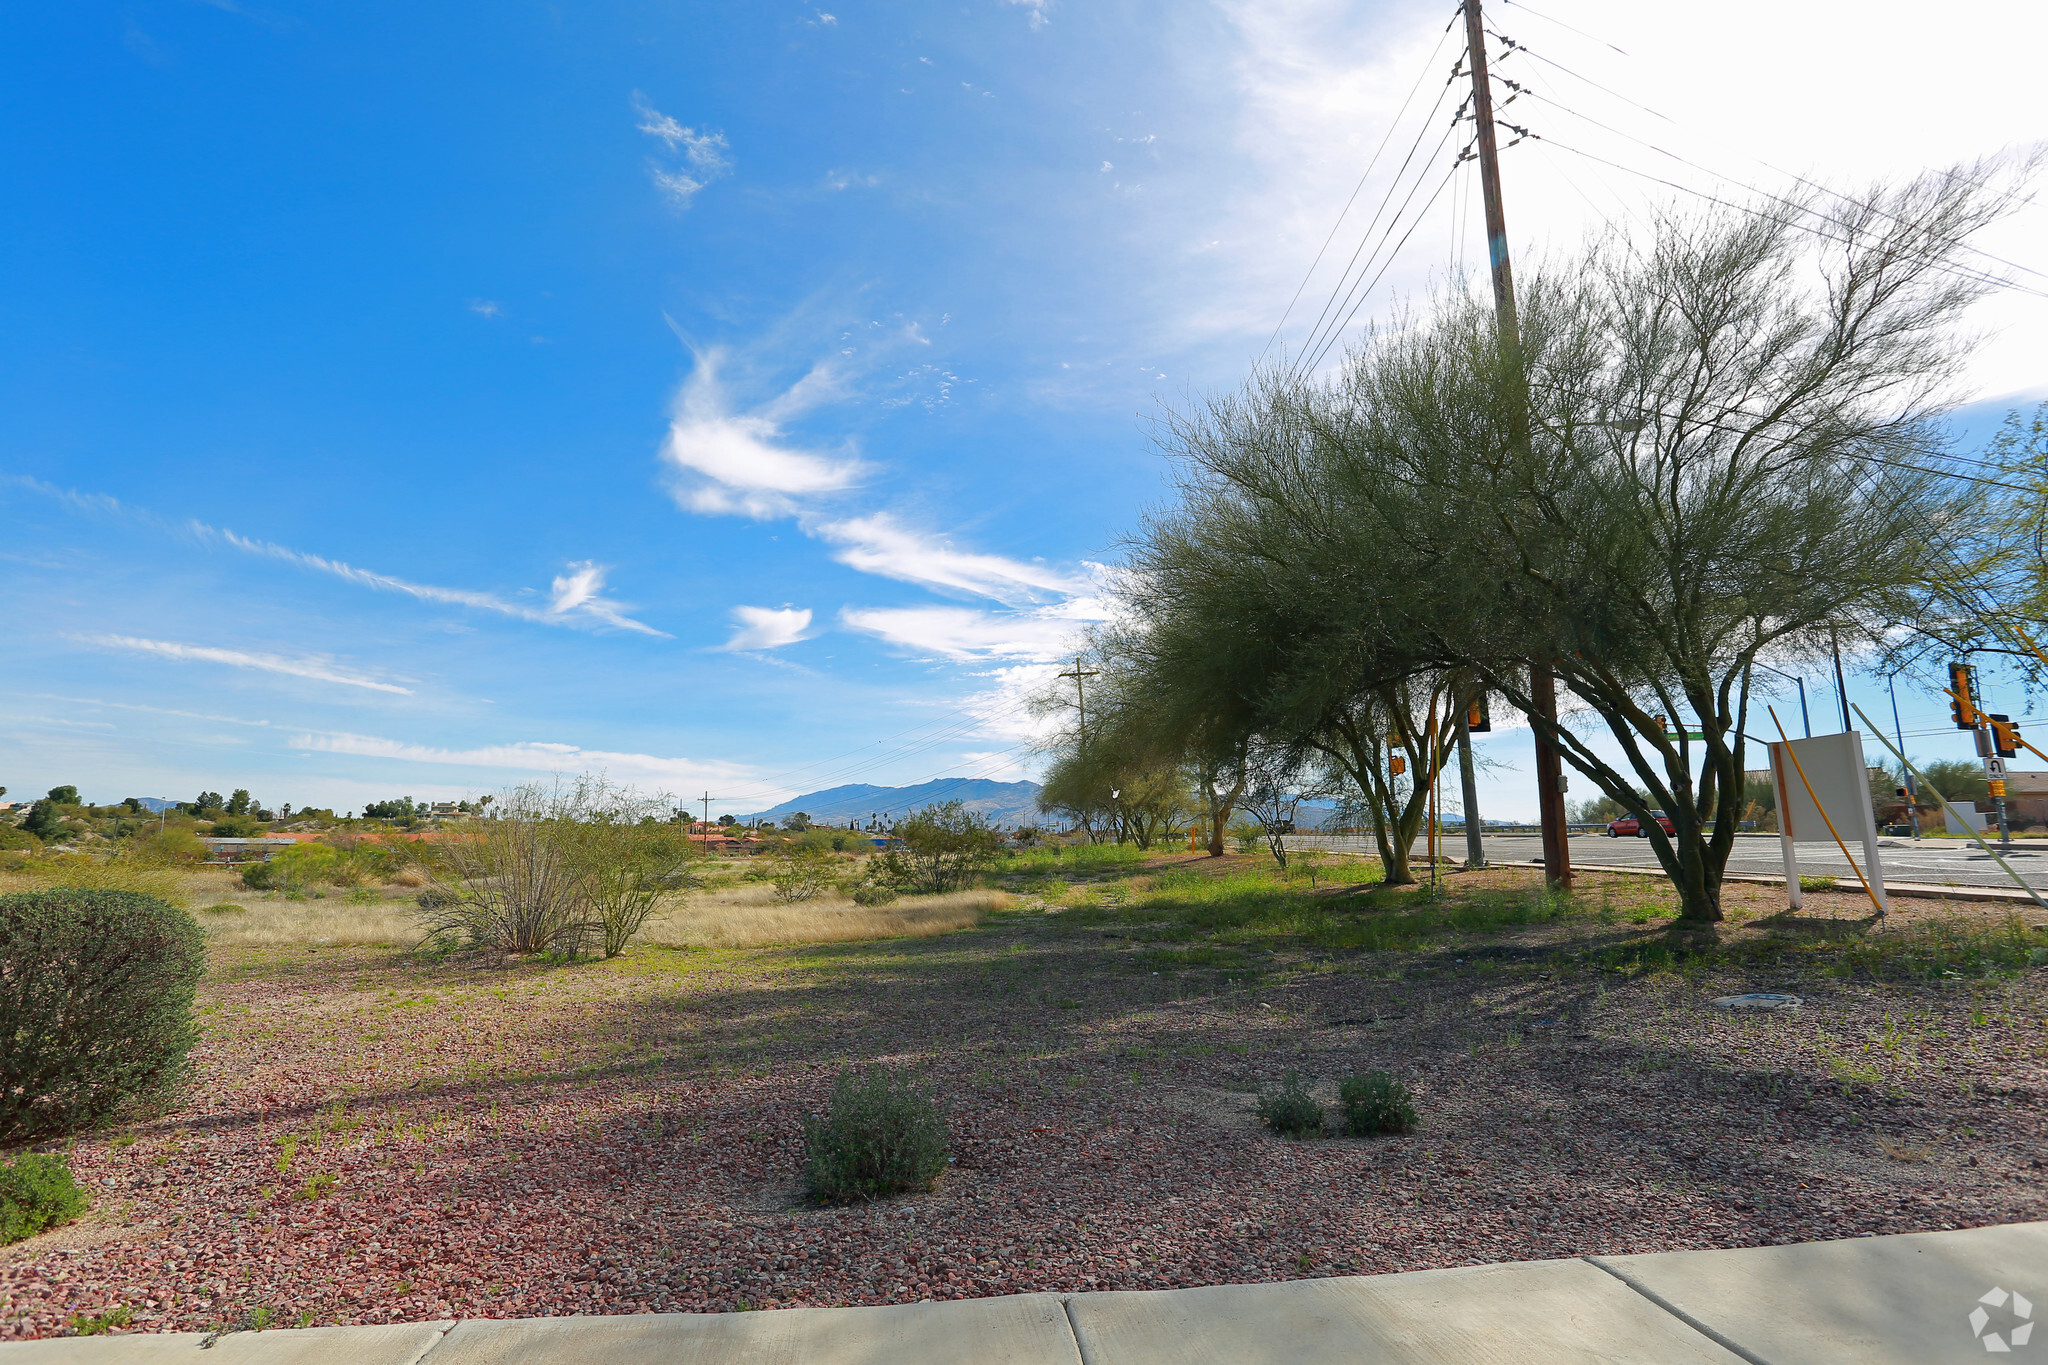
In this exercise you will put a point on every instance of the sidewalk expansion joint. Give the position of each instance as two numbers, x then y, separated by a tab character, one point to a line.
1074	1329
1675	1311
447	1326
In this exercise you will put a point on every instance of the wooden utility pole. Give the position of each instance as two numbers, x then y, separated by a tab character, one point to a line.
1081	697
1557	856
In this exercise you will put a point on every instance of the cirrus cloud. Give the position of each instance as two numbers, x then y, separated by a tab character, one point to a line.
740	462
768	627
316	668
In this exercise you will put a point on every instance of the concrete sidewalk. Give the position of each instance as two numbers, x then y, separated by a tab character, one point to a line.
1918	1299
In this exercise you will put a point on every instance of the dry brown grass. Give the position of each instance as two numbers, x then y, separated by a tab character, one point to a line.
269	923
739	915
750	916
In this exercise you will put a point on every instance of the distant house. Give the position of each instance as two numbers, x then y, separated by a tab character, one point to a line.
247	850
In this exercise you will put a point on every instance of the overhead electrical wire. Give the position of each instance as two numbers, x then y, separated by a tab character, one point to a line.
1810	184
1428	66
1563	25
1947	266
1331	339
1340	293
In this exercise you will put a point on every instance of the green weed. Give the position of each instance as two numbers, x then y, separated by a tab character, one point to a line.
97	1324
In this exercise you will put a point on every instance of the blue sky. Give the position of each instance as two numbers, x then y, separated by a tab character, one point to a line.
740	398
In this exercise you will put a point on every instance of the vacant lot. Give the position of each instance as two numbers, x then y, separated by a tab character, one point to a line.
378	1136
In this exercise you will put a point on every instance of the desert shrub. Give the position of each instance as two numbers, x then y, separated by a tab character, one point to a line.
169	848
561	869
509	888
36	1192
1291	1111
1375	1103
874	893
82	872
880	1134
294	868
944	846
96	994
800	872
623	867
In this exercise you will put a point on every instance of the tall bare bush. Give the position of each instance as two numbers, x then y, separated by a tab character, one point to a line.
561	868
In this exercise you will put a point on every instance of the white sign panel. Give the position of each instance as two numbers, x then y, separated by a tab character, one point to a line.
1822	781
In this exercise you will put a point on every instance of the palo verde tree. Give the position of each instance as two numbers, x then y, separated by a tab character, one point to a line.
1262	619
1716	447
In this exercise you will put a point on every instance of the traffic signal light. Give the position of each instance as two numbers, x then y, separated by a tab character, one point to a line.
1477	721
1962	699
1663	726
2005	736
1397	765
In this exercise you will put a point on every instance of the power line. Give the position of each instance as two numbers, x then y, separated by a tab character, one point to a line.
1938	264
1392	188
1563	25
1968	272
1812	185
1331	339
1363	177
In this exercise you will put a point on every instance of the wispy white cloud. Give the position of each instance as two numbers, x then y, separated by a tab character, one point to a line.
881	545
577	599
703	154
967	635
485	308
318	669
153	710
1040	11
532	756
741	462
768	627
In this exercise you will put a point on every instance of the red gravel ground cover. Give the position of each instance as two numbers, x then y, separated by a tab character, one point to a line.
374	1137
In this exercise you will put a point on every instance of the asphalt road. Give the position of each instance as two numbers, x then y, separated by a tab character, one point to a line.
1953	862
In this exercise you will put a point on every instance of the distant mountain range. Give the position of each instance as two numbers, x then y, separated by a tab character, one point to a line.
1004	803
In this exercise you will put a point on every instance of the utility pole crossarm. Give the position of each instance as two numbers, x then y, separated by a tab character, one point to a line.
1081	697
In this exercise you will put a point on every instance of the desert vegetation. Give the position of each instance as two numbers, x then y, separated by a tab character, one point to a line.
1093	1068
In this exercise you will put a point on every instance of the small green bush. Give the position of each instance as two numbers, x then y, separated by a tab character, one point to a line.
880	1134
96	994
1375	1103
1291	1111
36	1192
873	893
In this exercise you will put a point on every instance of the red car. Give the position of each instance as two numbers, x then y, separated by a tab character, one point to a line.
1627	826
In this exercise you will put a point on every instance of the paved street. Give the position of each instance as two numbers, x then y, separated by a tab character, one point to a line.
1940	861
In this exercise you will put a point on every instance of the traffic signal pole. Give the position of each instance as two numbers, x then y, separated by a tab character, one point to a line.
1468	784
1557	857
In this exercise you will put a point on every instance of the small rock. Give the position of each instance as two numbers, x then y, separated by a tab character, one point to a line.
1759	1000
